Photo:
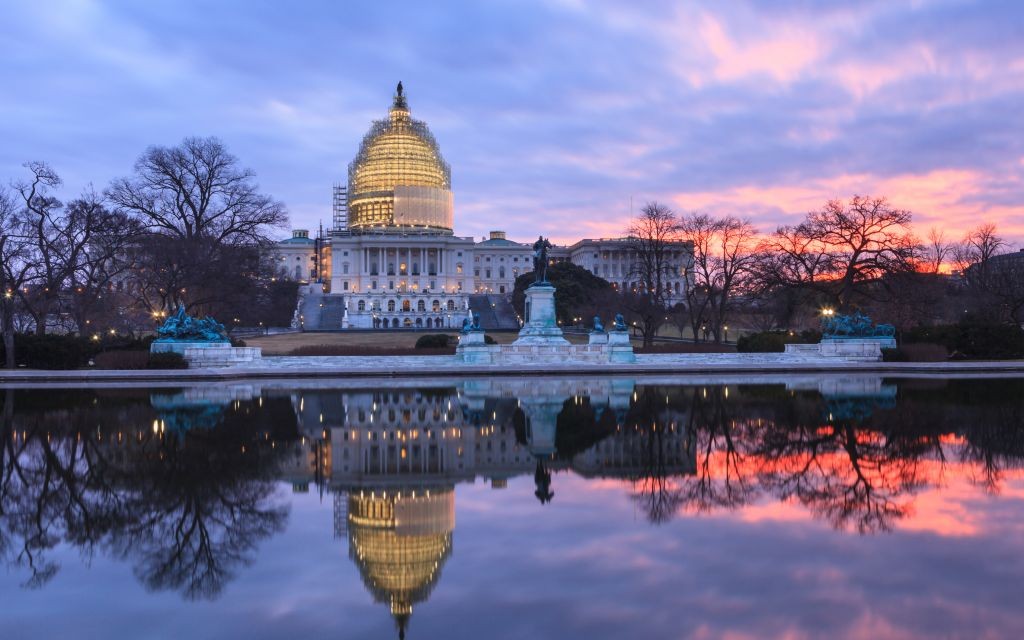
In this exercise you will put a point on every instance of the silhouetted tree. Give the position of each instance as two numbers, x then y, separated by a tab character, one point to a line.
15	269
653	263
840	249
206	222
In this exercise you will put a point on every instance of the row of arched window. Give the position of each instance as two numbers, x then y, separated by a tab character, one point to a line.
408	323
421	306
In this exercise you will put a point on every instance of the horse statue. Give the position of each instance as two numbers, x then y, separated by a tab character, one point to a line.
540	260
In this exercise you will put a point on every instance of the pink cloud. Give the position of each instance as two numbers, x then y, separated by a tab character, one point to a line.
953	199
784	55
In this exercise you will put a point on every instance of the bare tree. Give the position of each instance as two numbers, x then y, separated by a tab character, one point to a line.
840	249
103	243
205	221
50	253
15	268
724	251
652	235
993	281
699	230
938	250
973	253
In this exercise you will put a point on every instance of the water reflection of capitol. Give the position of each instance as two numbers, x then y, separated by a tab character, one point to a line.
392	459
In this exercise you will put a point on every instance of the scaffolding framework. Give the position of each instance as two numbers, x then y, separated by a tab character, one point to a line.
340	208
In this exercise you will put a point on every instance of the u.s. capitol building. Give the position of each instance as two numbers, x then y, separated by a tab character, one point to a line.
392	259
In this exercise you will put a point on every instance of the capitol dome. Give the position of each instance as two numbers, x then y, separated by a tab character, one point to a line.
398	181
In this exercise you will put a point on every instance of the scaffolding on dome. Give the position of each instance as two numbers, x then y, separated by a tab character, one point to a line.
396	152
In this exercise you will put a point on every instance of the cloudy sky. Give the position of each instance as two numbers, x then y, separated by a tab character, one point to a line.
555	115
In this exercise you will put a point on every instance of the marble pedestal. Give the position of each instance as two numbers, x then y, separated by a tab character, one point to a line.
541	327
473	348
619	347
209	354
855	349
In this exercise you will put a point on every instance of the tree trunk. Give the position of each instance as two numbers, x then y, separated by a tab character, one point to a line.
8	331
649	329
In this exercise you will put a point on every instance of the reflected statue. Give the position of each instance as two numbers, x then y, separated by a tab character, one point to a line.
542	479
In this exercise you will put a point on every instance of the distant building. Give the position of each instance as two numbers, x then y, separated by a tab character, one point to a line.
392	259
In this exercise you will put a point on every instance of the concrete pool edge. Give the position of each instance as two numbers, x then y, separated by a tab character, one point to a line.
405	369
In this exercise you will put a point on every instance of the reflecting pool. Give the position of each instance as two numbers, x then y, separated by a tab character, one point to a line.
853	507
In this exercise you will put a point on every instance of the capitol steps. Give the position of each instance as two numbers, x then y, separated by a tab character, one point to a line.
309	306
332	313
496	312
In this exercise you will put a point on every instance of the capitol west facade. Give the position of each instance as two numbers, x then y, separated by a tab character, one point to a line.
392	259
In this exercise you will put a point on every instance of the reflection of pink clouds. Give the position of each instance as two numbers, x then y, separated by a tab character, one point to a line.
774	511
952	199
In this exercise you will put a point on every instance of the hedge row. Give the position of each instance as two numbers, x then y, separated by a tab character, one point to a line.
54	351
971	340
126	359
443	340
775	341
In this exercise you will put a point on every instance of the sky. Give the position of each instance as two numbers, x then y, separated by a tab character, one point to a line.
558	117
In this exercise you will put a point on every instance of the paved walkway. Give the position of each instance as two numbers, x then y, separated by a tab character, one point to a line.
681	365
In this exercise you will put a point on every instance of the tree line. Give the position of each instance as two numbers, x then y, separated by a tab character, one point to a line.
860	254
188	226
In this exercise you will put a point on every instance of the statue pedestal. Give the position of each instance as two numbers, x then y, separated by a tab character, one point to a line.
597	337
158	346
541	327
473	348
856	349
619	347
208	354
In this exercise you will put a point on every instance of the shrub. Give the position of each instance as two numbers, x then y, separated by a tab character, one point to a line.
58	351
432	341
917	352
166	360
347	350
122	359
925	352
894	355
763	342
51	351
489	340
237	342
972	339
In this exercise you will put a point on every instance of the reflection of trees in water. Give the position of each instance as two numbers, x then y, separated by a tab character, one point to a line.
186	512
849	476
859	470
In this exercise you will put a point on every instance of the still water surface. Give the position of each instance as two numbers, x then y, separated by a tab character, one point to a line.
861	508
